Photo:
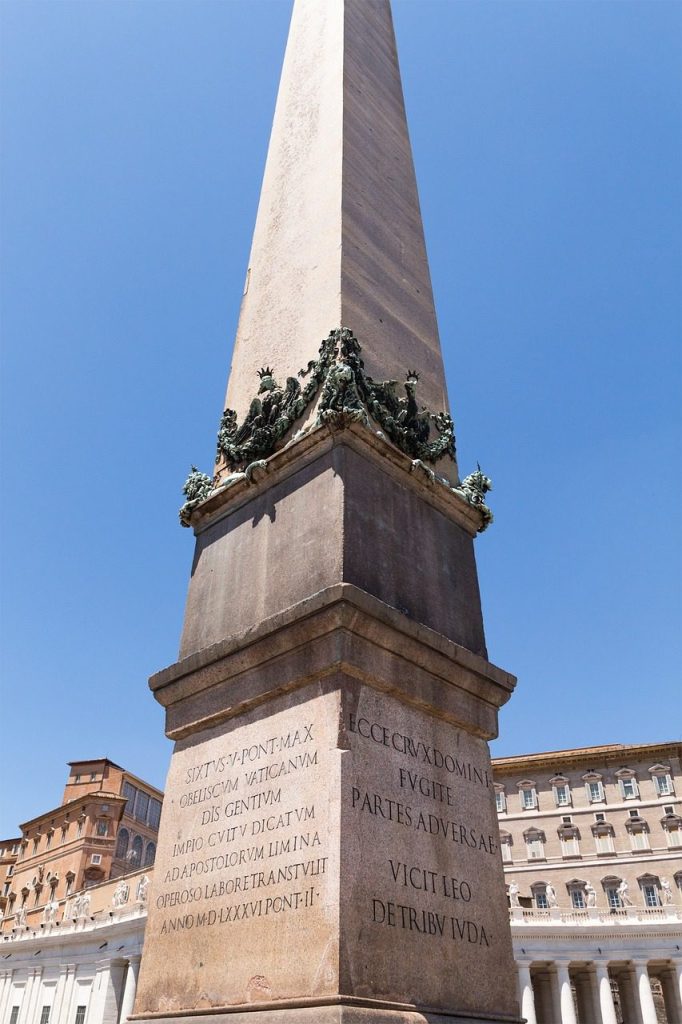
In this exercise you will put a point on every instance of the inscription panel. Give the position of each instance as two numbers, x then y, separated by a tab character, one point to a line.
244	905
425	921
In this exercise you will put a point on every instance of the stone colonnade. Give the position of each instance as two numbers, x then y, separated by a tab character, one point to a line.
108	996
598	991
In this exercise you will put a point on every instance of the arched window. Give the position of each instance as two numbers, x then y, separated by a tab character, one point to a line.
122	843
149	854
135	855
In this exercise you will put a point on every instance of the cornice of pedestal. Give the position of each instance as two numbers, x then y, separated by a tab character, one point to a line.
340	631
434	489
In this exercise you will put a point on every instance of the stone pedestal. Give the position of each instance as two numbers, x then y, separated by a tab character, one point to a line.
328	847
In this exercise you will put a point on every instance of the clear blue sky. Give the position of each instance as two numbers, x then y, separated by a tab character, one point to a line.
547	144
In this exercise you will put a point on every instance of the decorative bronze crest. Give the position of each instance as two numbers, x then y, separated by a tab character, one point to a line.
347	393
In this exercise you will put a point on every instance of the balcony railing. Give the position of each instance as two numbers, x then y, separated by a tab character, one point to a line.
520	916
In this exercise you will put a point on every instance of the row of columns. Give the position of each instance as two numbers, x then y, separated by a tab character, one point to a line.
594	994
112	995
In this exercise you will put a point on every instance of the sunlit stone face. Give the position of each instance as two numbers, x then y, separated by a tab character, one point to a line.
336	841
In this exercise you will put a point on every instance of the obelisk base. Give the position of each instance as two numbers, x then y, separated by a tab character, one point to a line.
329	837
330	1014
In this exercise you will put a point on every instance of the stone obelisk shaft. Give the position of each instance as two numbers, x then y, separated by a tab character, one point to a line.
328	849
339	237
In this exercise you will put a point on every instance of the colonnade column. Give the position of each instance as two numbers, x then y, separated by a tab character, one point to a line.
27	1012
646	999
586	995
566	1003
672	997
630	1008
62	995
526	996
130	987
98	993
5	989
606	1004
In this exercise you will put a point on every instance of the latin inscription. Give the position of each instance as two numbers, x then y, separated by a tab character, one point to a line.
423	794
252	851
254	842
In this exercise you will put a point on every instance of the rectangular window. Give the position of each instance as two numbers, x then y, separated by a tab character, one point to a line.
541	901
96	858
36	844
14	1015
93	776
527	798
628	789
129	792
613	897
499	800
600	816
595	792
155	812
48	843
674	837
45	1014
663	784
10	869
506	852
78	778
578	899
79	830
80	1015
69	886
570	846
141	805
650	896
561	795
640	840
8	885
102	828
604	843
535	848
64	831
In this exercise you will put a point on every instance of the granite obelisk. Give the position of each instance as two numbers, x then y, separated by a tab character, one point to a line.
328	846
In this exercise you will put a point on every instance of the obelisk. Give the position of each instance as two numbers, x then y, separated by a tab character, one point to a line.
328	846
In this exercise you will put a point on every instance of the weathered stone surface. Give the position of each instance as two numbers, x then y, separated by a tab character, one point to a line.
342	1012
331	843
338	237
339	629
327	851
344	517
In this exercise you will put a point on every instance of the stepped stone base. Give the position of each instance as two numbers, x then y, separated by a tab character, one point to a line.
331	1014
330	839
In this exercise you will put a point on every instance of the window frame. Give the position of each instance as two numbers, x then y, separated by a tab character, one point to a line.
535	839
528	786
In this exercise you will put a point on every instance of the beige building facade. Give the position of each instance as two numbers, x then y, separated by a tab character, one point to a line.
591	842
106	826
